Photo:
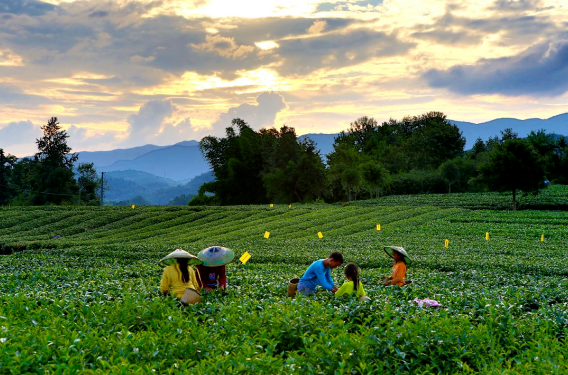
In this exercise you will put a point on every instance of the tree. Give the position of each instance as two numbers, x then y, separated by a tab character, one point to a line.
450	173
53	148
54	180
236	161
23	175
432	140
351	181
6	188
256	167
478	148
511	166
344	157
310	176
375	177
202	199
180	200
89	184
293	170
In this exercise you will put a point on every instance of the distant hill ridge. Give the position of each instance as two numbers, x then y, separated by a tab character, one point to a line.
183	161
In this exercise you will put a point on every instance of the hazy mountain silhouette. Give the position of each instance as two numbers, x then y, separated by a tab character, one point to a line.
177	165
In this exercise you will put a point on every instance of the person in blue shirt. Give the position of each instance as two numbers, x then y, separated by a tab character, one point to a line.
318	273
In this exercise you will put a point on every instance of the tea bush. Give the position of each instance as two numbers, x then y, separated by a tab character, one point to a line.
79	291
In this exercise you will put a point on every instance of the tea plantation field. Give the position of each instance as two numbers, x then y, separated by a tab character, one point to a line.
79	291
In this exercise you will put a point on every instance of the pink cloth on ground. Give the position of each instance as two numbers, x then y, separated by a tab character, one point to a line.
427	302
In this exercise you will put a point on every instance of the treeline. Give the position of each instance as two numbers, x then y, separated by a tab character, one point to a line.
420	154
253	167
50	177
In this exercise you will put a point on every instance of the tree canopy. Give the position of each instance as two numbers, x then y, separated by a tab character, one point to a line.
268	165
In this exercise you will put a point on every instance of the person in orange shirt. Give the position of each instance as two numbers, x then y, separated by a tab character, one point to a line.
399	268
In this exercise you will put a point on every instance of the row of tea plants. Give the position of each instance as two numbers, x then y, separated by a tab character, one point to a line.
79	291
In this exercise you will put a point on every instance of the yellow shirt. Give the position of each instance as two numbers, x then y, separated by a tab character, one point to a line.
172	280
347	288
398	273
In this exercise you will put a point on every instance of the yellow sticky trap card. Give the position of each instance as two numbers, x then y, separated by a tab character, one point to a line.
271	205
320	235
245	257
486	236
378	226
133	206
542	238
446	243
266	234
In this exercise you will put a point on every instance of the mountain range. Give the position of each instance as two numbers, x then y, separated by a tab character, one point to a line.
160	173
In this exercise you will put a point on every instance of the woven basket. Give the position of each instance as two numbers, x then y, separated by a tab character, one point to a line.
293	287
190	297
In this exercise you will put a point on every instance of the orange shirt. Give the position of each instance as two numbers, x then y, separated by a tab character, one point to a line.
398	273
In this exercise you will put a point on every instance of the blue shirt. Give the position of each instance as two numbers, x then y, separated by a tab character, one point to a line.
317	274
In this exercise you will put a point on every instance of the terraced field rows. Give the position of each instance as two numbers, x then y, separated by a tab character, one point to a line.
78	291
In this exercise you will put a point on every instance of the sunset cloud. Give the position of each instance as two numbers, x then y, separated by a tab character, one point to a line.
130	72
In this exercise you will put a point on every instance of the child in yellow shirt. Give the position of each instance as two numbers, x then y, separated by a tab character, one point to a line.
353	285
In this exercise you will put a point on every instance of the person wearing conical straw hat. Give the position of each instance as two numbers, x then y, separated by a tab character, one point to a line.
178	275
211	274
399	255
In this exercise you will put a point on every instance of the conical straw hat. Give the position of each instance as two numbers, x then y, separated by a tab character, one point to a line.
179	253
398	249
215	256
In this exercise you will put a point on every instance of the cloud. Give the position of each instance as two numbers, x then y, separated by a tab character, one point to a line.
154	121
182	131
149	119
14	97
540	70
20	132
259	115
317	27
336	50
522	26
154	124
224	46
85	139
27	7
98	14
515	5
339	6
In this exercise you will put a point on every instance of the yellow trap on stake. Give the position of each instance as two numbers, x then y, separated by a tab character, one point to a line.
245	257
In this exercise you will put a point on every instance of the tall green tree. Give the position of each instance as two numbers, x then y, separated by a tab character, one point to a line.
23	176
432	140
294	171
375	177
351	181
450	172
7	190
257	167
513	165
343	172
236	161
54	180
89	184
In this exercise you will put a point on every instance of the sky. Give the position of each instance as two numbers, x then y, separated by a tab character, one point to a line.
125	73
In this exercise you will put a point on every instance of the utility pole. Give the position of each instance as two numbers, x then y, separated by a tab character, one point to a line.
102	186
